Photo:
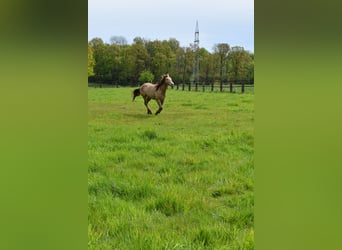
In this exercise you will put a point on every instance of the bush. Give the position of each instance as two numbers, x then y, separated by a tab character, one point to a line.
146	76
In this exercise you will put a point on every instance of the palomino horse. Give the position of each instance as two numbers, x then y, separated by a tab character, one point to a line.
154	91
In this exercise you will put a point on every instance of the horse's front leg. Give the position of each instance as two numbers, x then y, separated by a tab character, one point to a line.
146	100
160	104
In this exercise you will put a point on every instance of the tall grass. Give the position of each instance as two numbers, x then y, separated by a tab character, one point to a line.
181	180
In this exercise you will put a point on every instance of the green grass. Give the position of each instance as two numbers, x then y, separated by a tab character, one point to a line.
181	180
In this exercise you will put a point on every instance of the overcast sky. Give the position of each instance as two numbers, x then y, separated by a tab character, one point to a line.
219	21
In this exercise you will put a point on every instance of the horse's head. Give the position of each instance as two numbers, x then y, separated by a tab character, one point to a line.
168	80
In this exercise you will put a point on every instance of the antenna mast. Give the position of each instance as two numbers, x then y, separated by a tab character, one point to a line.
196	57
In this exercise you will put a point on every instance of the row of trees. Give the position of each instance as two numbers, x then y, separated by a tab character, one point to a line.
125	64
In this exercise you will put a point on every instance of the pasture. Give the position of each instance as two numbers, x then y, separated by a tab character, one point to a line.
183	179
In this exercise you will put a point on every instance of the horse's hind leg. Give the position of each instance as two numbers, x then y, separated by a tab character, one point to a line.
146	100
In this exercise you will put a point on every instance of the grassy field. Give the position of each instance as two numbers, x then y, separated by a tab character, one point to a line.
181	180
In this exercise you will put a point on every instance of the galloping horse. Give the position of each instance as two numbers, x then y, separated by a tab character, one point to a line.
154	91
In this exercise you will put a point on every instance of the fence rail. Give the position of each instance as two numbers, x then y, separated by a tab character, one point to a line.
229	86
236	86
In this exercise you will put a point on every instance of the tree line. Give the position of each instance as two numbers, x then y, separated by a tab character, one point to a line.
145	60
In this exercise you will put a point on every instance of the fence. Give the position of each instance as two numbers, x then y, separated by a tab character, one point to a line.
236	86
103	85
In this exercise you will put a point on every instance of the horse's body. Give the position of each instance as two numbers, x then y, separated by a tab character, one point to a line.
154	91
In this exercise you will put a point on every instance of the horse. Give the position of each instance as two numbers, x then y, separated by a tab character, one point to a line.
155	91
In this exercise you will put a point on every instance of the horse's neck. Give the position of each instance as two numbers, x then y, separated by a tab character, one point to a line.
162	88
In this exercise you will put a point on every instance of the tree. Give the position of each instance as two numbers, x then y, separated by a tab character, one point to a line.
125	64
97	45
174	45
91	61
119	40
104	56
140	57
96	42
146	76
159	64
189	58
241	64
180	66
250	74
222	51
170	55
207	70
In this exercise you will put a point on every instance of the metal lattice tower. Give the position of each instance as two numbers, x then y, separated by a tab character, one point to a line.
196	59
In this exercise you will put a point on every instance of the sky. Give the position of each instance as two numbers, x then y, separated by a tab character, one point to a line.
219	21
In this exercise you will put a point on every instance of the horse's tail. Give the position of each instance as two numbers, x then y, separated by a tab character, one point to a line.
136	93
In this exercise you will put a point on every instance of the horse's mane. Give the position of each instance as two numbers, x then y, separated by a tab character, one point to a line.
161	82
